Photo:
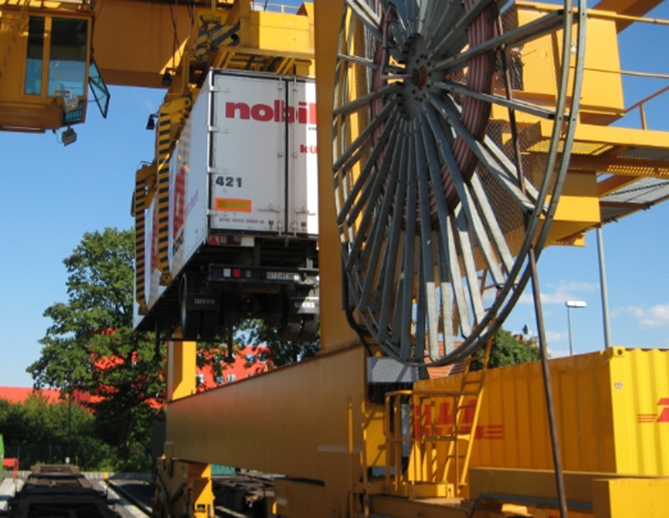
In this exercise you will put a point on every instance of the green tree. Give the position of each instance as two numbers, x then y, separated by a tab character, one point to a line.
91	346
257	332
507	350
40	431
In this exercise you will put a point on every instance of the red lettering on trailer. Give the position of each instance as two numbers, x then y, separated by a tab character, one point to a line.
154	239
262	112
179	202
303	113
312	150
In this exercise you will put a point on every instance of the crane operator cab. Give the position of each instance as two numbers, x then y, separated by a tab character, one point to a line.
46	65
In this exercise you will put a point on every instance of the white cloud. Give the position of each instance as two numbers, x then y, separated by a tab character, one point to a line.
558	353
553	336
630	310
655	316
562	292
149	105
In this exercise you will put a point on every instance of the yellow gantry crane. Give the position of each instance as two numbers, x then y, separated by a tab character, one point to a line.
456	140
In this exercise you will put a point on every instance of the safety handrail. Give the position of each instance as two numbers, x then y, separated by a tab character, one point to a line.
261	5
640	105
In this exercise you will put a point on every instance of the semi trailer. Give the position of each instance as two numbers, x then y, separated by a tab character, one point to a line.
243	212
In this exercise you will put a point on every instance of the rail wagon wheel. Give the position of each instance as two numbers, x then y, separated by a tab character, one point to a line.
447	168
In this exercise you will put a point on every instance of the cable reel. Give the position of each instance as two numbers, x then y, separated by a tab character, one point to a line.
442	186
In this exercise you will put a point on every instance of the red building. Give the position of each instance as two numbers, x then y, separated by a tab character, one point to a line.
248	361
21	394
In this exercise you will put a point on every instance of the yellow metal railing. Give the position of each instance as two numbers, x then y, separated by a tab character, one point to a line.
261	5
439	429
640	105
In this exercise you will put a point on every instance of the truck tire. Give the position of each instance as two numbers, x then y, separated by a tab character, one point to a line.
290	331
208	326
309	329
190	319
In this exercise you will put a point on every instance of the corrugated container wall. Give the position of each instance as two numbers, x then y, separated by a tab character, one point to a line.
612	413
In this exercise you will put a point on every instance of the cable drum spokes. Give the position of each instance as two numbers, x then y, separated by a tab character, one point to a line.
439	194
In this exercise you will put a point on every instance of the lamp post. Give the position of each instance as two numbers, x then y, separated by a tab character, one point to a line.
572	304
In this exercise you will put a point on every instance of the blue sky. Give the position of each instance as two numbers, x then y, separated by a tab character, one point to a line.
51	195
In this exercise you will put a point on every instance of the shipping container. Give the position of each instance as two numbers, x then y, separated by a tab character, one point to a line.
612	411
243	211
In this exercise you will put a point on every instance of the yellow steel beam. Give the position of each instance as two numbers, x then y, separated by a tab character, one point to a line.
382	505
630	498
537	487
286	421
299	498
135	42
611	136
334	326
294	421
628	8
613	183
155	37
623	166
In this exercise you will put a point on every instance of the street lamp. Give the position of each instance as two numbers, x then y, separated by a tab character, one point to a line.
572	304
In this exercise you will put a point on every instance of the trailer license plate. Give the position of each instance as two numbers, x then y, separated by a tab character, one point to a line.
283	276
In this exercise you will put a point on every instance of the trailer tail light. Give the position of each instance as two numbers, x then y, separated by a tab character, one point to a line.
236	273
221	239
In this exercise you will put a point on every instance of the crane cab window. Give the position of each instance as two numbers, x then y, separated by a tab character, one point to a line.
35	56
63	44
67	57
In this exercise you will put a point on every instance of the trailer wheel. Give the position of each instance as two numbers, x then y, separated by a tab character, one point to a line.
209	326
190	319
309	328
290	331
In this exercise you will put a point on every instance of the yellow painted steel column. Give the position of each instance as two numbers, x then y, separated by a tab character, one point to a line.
181	369
199	478
335	330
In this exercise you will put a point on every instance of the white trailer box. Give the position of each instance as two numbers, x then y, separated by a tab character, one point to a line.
244	172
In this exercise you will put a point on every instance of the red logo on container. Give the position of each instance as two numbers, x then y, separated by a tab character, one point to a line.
304	113
179	201
662	417
154	239
444	424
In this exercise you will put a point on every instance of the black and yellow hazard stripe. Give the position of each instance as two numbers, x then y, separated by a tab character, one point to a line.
220	35
201	43
140	249
212	36
144	179
163	142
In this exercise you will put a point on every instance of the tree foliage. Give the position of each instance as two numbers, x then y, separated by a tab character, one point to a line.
90	345
507	350
257	332
39	431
